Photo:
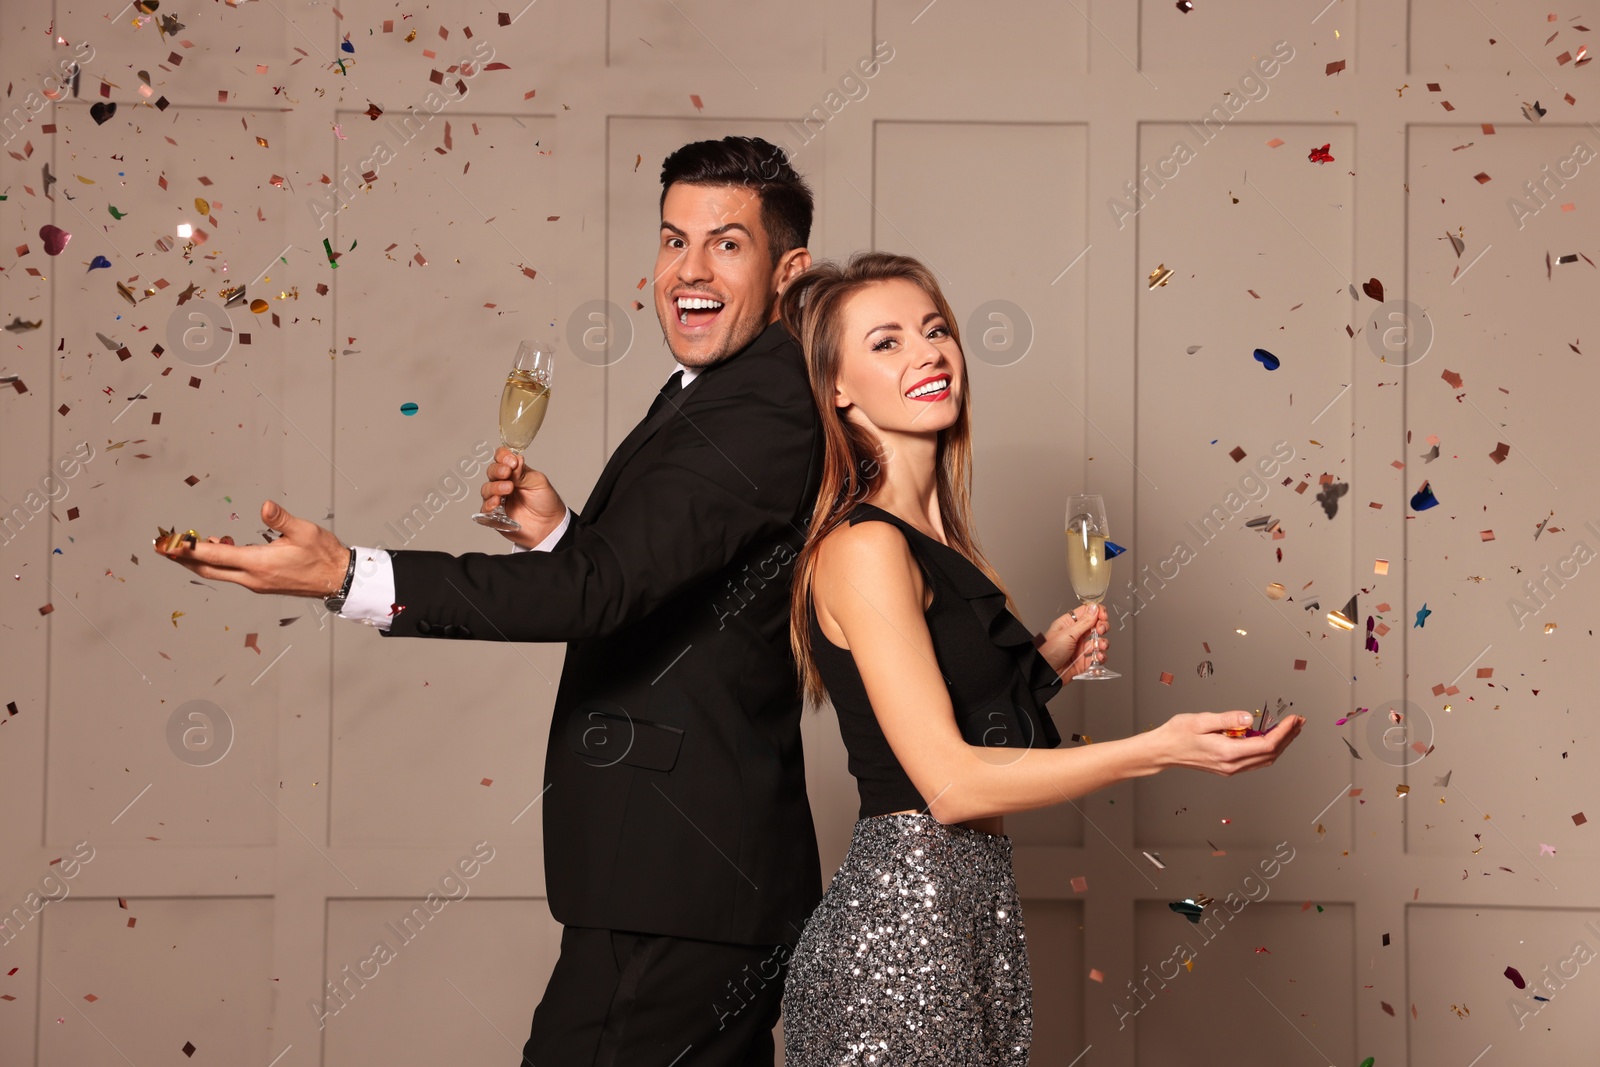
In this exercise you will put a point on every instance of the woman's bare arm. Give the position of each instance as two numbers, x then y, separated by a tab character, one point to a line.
868	583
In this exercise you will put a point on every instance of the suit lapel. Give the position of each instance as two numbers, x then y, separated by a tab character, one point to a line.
646	429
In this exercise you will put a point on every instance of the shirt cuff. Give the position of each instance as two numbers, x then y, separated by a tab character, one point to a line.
549	542
371	589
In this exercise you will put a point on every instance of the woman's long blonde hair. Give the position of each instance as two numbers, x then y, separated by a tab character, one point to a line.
812	308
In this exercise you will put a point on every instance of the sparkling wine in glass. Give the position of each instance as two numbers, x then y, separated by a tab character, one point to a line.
1087	565
522	406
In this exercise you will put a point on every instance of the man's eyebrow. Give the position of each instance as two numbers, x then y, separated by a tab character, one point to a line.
665	225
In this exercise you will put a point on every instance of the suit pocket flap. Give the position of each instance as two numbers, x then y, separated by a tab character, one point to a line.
606	738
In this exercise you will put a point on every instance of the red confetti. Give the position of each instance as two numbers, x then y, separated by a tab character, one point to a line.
695	100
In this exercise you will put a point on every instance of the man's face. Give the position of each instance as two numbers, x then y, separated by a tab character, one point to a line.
716	287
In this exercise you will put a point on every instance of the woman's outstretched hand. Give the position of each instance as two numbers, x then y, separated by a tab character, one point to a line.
1069	645
1199	741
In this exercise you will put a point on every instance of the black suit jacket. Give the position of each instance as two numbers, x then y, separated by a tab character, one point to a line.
676	799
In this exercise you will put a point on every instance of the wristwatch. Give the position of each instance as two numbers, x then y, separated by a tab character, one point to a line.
335	603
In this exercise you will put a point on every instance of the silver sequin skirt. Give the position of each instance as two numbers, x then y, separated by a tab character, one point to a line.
915	956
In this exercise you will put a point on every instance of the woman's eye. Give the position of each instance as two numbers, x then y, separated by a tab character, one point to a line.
939	331
884	345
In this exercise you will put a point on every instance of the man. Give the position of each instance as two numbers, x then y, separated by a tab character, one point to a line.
679	849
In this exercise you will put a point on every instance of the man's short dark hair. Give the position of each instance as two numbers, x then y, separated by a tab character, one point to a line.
757	165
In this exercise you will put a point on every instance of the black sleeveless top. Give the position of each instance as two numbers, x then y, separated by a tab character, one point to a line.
998	681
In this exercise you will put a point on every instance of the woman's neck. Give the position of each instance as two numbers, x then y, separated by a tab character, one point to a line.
910	486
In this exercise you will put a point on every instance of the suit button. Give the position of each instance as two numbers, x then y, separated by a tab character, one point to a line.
448	630
462	631
423	627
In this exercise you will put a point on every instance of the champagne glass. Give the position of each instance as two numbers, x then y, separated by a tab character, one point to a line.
522	407
1087	564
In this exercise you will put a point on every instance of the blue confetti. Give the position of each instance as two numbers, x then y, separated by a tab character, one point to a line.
348	47
99	262
1113	550
1267	359
408	409
1422	616
1423	498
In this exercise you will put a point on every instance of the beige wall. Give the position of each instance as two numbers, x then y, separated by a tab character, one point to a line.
344	775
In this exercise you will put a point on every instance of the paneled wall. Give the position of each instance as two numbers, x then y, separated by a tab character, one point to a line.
1270	358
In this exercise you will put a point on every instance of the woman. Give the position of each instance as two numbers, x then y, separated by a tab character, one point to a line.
916	953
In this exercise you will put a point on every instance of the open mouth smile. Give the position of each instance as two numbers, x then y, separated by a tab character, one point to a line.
931	389
697	312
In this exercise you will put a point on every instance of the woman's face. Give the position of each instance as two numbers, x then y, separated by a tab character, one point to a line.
899	368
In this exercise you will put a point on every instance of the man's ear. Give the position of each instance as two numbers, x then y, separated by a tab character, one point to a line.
794	262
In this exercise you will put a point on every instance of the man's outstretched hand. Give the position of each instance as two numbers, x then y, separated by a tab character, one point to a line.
305	560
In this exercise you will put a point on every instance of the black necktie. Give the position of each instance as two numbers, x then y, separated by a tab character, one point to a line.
673	387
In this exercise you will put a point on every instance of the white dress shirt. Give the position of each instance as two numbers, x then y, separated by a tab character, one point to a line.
372	587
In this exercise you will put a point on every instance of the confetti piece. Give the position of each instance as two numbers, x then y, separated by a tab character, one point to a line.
408	408
1267	359
1423	498
55	239
188	1049
1374	289
1113	550
101	111
695	100
250	642
1080	884
1380	566
1155	860
1335	67
1501	451
1238	453
1095	975
1328	496
1159	276
327	246
487	781
1190	909
1546	850
99	263
1166	678
1321	155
